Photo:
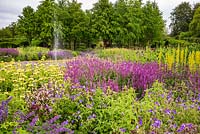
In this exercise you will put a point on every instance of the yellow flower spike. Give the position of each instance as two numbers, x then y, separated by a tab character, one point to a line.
169	58
160	57
177	55
182	57
197	58
186	53
191	61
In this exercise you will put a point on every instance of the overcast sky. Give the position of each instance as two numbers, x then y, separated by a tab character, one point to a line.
11	9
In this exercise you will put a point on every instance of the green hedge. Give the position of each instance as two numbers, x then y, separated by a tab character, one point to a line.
183	43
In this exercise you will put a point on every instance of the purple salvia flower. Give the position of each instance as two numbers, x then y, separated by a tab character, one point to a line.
174	111
33	122
181	128
65	123
167	111
54	119
30	115
9	51
92	116
151	111
157	123
61	130
157	103
4	109
198	108
80	101
186	126
140	121
123	130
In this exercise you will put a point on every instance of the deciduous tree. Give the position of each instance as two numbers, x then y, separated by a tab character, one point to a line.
181	17
195	24
26	23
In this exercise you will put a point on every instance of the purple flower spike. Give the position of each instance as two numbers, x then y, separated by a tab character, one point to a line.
4	109
65	123
157	123
167	111
140	121
33	122
54	119
122	130
182	127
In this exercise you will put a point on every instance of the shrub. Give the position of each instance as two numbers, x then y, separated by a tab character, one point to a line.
116	55
7	54
32	53
7	44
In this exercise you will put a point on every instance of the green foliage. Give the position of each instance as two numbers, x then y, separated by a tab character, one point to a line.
128	25
45	21
98	113
115	112
35	42
181	17
153	26
102	20
117	55
5	33
184	35
195	24
26	23
31	53
75	24
183	43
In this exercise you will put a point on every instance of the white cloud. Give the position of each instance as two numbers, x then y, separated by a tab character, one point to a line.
11	9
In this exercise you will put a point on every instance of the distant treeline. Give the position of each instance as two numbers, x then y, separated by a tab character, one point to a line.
125	23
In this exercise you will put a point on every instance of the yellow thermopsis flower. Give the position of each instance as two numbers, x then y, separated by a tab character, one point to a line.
191	61
182	57
177	55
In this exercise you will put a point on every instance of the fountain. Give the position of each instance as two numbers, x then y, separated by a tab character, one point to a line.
57	37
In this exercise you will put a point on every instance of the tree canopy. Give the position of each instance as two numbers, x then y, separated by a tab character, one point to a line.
195	24
124	23
181	17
